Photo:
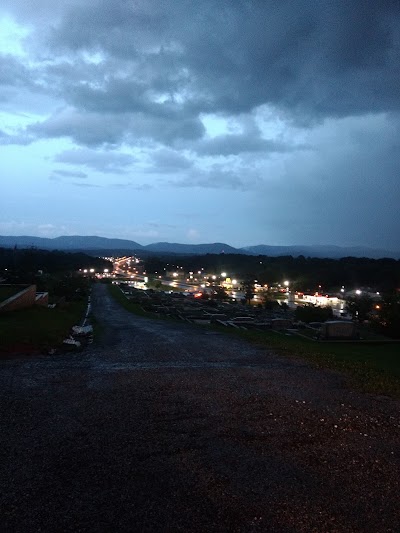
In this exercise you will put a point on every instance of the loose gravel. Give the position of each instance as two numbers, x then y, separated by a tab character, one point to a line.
162	426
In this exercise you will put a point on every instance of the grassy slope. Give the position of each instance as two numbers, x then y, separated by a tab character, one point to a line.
369	367
117	294
38	328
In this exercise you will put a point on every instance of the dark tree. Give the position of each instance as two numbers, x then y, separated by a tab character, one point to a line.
359	307
248	289
284	306
313	313
219	293
386	318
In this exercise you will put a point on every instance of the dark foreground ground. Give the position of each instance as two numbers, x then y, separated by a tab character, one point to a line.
167	427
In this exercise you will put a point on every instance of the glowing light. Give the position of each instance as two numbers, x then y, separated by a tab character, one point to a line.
223	274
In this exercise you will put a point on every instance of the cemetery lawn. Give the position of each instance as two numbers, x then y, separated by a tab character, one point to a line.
120	297
38	328
371	367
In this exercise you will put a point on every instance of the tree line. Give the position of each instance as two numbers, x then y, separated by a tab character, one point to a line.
304	273
31	260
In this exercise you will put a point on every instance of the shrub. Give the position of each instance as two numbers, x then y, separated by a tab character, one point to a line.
312	313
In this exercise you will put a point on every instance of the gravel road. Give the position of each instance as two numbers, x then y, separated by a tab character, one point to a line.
167	427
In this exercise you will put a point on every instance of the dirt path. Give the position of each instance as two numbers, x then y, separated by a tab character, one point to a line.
167	427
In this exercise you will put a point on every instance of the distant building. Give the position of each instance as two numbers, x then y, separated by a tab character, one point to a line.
317	299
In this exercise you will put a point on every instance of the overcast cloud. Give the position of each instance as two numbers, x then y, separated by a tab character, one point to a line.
280	118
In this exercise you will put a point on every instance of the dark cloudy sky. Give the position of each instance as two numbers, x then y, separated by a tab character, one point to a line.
243	121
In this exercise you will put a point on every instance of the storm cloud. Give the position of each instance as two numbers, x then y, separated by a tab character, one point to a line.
338	59
291	102
170	61
100	161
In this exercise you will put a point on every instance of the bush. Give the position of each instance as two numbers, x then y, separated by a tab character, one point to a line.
311	313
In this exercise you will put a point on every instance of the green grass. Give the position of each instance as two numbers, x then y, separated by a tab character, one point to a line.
132	307
368	367
135	308
38	328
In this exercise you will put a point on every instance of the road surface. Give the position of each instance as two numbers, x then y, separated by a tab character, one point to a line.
164	426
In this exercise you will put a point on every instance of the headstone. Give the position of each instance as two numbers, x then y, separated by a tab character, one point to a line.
338	329
281	323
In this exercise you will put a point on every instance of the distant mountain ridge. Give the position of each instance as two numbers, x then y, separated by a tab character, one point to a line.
70	242
322	251
198	249
93	243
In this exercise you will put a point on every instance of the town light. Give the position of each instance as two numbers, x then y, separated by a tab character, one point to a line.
358	291
286	283
223	274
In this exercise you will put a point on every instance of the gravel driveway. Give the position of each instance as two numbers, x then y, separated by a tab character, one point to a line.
169	427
